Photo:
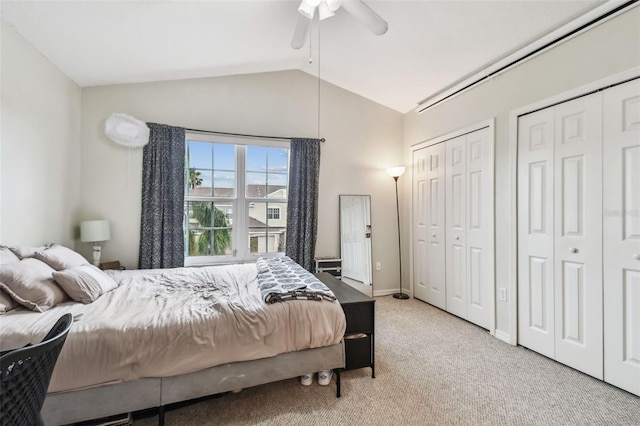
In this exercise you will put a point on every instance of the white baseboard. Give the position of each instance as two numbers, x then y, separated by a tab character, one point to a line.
389	293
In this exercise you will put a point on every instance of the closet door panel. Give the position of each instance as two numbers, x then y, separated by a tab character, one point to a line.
429	183
621	222
578	234
535	232
479	227
436	228
420	206
455	208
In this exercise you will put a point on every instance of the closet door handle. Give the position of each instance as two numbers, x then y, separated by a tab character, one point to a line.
573	250
636	256
457	238
433	235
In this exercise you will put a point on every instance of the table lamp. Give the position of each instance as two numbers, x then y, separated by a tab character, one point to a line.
95	231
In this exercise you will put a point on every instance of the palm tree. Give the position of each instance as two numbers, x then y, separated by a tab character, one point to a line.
194	178
202	213
221	237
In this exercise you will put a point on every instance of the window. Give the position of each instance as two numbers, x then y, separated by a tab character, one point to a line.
273	213
235	198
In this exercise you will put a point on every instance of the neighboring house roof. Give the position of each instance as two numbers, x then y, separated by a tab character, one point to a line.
253	191
255	223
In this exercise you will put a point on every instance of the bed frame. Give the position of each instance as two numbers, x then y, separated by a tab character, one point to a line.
62	408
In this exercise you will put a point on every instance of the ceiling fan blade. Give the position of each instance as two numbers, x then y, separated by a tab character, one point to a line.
300	33
367	17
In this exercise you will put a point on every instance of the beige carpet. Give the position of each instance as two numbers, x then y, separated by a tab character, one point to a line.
431	369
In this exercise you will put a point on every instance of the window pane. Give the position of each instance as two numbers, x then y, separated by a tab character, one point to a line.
222	242
198	243
224	184
200	155
267	227
256	158
224	156
257	240
199	182
278	160
267	240
278	237
277	185
199	228
223	215
256	185
209	228
279	220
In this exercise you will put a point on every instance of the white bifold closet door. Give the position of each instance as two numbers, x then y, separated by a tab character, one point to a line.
469	226
621	207
456	244
536	326
453	244
579	234
560	233
429	229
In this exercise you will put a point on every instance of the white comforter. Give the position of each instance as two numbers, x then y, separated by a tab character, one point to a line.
160	323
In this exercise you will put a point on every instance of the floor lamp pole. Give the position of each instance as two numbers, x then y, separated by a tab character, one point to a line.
400	295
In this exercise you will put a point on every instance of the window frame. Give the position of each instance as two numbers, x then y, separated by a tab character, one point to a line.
240	203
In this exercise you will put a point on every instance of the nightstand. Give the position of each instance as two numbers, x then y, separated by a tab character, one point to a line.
332	265
111	265
359	310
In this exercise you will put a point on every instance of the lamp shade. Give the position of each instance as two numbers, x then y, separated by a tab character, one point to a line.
395	172
95	230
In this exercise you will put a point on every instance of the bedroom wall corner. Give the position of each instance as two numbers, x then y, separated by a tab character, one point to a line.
40	146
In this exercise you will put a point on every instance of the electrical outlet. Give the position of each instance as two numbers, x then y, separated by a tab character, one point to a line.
378	266
502	294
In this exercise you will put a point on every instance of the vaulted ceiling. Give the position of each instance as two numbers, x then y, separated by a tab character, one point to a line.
429	44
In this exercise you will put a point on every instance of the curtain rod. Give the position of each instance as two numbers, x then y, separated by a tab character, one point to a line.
242	134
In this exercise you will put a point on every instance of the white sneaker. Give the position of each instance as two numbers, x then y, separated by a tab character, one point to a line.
306	379
324	377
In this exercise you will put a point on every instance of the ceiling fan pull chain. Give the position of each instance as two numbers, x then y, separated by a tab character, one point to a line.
310	51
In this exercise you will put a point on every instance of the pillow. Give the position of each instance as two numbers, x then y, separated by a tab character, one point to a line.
7	256
6	302
24	252
30	283
84	283
60	257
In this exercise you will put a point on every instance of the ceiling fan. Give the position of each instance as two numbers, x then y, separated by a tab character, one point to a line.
326	9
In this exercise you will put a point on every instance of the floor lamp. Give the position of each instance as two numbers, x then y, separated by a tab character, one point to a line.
395	173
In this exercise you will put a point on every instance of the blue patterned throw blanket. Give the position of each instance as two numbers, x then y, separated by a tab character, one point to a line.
281	279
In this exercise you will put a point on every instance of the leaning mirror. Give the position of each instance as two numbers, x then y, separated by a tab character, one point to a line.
355	242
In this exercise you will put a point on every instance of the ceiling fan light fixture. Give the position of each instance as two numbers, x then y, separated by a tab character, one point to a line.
326	8
324	11
333	5
307	9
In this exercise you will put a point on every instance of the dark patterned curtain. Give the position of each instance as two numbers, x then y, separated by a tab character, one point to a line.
161	233
302	210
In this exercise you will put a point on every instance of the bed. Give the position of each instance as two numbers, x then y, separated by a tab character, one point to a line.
164	336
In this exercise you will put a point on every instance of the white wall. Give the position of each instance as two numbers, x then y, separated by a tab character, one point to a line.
608	49
363	138
40	147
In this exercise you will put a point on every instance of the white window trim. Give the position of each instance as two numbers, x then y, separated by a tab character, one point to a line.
240	235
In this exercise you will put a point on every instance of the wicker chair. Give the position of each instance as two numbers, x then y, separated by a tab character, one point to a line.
25	374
